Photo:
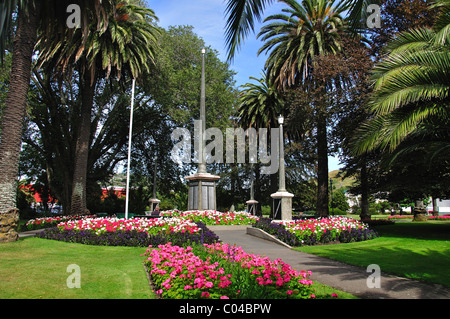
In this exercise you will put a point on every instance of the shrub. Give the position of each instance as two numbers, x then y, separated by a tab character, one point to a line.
337	211
394	217
277	230
354	235
88	237
378	222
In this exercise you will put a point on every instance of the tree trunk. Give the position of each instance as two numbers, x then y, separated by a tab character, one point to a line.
435	207
322	166
364	194
78	200
13	115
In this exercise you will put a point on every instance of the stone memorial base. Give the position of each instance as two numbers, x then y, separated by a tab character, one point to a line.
252	207
202	191
153	203
282	205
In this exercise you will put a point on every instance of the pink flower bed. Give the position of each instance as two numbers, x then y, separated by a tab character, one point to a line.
318	226
151	226
223	271
212	217
442	217
44	222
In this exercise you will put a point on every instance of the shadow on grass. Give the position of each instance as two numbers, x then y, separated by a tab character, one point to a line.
420	230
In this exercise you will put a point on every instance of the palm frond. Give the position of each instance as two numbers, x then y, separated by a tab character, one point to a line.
241	21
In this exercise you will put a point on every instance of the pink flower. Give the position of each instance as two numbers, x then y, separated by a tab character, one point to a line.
289	292
224	297
209	284
187	287
205	294
334	295
160	291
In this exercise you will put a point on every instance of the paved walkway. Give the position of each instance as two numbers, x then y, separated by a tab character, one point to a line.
339	275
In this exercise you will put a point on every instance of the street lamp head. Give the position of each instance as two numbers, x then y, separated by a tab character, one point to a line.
280	119
203	51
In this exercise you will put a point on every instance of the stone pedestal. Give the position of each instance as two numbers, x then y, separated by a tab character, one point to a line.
202	191
252	207
153	203
420	214
282	205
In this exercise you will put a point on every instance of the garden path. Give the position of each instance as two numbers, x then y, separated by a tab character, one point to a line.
348	278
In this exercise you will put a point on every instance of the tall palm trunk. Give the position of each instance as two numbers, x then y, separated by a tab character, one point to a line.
78	199
322	165
12	125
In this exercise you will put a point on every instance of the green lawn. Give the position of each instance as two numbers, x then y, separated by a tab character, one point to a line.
409	249
34	268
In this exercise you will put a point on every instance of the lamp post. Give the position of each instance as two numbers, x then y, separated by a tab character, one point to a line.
252	204
282	177
154	201
282	199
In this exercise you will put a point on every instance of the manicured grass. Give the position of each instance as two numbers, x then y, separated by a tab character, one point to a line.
413	250
34	268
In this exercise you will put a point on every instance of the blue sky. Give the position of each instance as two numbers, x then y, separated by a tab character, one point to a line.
208	19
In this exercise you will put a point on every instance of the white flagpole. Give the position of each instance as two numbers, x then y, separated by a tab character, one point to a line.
129	150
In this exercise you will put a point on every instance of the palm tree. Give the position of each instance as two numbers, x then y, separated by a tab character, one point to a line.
32	16
45	16
296	40
13	115
241	16
308	30
126	46
411	98
412	91
259	104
